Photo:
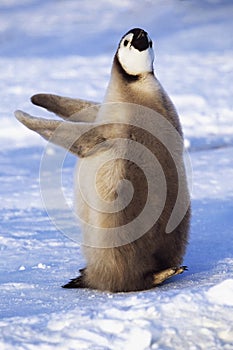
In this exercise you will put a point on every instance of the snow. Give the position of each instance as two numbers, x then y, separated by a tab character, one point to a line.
66	47
215	296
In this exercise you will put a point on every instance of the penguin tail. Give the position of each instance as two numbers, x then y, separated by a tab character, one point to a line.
77	282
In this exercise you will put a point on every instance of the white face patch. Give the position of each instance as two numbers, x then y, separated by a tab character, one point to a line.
133	61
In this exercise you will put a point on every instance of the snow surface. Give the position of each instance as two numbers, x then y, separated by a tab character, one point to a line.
66	47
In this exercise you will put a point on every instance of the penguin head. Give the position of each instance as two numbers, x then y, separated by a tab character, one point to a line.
135	53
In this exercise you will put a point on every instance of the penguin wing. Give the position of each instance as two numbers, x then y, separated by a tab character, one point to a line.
62	133
78	138
67	108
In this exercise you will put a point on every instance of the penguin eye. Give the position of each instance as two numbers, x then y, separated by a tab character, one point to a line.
126	42
150	44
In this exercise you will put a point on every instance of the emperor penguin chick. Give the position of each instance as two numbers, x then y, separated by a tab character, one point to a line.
135	219
148	259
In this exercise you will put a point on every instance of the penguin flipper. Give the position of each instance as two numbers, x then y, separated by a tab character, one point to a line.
66	107
163	275
78	138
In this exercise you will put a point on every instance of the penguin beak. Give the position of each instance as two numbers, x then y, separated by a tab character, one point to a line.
140	42
141	34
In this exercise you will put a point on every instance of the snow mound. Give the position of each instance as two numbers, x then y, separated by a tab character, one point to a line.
222	293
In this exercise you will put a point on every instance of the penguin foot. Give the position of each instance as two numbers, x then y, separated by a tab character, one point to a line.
161	276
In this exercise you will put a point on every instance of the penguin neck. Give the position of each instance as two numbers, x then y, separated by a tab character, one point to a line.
145	91
124	87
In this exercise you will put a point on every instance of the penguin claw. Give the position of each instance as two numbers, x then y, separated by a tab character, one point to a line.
185	268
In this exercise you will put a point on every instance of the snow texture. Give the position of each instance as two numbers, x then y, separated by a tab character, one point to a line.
66	47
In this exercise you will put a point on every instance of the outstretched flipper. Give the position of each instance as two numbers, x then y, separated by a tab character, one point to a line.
67	108
162	276
79	138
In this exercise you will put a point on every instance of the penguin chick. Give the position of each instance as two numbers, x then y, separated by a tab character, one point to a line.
112	140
